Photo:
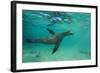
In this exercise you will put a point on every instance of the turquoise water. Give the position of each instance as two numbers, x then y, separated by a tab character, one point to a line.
74	47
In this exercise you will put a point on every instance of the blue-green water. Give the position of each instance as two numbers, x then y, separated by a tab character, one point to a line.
74	47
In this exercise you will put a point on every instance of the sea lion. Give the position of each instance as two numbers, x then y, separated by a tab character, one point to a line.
55	39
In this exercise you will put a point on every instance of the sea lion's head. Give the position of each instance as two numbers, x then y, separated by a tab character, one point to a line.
68	33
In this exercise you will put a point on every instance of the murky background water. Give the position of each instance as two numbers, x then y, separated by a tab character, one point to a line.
74	47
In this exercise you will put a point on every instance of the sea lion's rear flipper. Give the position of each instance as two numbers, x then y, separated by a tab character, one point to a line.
29	40
35	40
55	48
50	31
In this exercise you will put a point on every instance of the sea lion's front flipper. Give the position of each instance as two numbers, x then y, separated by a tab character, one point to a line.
50	31
55	48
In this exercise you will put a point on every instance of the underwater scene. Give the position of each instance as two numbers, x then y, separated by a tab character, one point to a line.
55	36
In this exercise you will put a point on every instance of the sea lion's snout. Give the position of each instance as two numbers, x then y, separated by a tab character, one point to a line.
71	33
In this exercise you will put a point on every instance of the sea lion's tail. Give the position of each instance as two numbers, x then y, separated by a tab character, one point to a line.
29	40
34	40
